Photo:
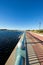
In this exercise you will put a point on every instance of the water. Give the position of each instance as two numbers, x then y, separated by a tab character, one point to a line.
8	41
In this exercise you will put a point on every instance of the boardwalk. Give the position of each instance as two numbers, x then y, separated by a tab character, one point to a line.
34	50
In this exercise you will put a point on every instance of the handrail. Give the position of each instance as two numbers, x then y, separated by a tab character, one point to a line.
20	51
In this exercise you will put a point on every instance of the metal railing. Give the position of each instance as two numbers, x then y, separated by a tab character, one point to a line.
20	51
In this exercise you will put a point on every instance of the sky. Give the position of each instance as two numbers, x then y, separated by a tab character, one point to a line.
21	14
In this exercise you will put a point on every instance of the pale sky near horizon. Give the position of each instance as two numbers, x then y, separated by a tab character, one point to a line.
21	14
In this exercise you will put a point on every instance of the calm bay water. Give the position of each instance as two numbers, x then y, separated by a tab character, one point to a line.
8	41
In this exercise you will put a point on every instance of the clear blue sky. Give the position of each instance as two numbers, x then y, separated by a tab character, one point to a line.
21	14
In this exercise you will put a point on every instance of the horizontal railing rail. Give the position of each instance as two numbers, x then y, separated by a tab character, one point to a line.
20	51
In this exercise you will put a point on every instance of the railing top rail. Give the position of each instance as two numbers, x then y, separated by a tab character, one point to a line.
20	52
